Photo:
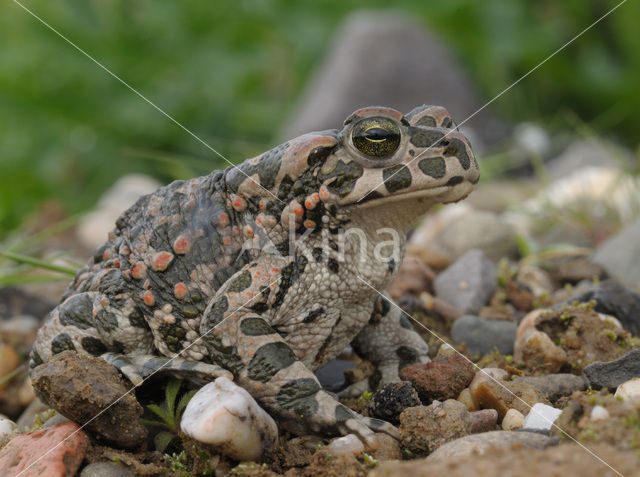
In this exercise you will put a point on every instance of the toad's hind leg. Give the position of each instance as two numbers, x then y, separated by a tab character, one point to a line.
89	323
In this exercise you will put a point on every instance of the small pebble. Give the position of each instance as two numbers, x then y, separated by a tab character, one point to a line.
391	399
513	420
106	469
446	350
349	444
226	416
599	413
484	420
541	417
629	389
466	398
7	426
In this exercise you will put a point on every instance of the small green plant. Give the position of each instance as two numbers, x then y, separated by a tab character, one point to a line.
169	413
370	461
177	462
366	396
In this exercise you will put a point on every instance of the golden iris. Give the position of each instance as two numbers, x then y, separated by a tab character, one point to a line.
376	137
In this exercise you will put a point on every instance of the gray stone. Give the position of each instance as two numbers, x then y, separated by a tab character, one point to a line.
379	58
613	299
468	283
620	255
106	469
583	153
480	229
481	443
483	336
555	386
613	373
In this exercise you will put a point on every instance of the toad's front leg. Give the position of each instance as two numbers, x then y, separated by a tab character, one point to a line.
239	338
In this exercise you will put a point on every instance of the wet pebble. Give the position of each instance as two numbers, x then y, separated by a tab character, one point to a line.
503	395
541	417
55	452
512	420
629	389
425	428
468	283
483	336
611	374
391	399
227	417
443	378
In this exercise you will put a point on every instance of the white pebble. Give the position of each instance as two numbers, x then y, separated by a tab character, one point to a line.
512	420
541	417
349	444
7	426
226	416
628	389
599	413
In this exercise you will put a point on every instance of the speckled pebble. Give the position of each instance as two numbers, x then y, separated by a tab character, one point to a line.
226	416
484	420
391	399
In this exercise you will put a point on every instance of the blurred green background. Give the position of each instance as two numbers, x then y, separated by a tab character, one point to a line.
232	70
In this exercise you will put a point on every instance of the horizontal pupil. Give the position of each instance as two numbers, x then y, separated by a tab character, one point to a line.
376	134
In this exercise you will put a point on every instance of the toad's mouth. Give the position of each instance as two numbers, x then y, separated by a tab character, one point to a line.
443	194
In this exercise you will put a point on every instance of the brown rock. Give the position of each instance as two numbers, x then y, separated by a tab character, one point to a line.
520	295
443	378
80	387
502	395
414	277
535	349
56	451
9	361
425	428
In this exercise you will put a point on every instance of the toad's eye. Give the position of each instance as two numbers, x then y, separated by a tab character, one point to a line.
376	137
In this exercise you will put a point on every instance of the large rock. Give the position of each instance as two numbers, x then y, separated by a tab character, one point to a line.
620	255
468	283
388	59
88	390
613	373
481	443
484	336
55	452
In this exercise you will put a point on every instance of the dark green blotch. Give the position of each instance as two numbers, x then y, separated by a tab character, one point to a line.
344	177
455	180
396	177
106	321
268	360
420	137
407	355
255	327
225	356
319	154
312	315
267	169
343	413
318	254
374	194
299	396
435	167
61	343
172	335
36	359
332	265
427	121
136	318
404	322
93	345
241	282
215	315
77	311
190	311
459	149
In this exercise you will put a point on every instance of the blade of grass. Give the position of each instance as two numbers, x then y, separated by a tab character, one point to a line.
16	257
